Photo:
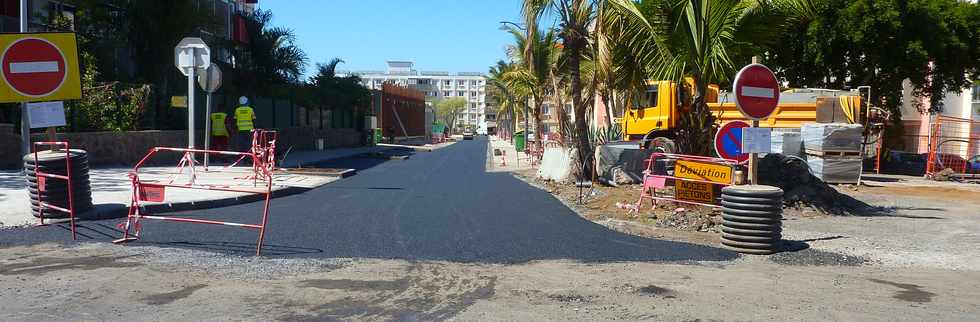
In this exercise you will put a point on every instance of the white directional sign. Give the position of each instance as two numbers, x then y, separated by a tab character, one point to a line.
46	114
192	53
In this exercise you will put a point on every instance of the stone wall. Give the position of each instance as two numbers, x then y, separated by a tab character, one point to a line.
127	148
9	147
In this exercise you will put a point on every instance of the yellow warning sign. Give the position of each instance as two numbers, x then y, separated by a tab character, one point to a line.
178	101
704	171
702	192
39	67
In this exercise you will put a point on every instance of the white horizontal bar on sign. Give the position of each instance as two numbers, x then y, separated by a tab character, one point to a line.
34	67
758	92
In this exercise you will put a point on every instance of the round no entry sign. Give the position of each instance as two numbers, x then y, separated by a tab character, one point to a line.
756	91
34	67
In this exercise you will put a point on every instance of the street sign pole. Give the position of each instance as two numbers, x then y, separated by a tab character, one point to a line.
25	122
190	56
210	81
190	102
207	130
757	97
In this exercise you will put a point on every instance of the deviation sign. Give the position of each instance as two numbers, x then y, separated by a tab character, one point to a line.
728	141
39	67
756	91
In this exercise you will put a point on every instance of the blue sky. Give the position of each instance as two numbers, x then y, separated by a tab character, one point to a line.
438	35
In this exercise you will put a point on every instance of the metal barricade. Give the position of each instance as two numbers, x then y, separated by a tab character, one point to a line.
42	177
262	155
694	179
954	144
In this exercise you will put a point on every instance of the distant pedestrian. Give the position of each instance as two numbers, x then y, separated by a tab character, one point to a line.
219	131
244	121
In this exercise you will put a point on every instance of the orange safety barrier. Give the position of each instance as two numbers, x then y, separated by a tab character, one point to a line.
43	177
954	143
262	155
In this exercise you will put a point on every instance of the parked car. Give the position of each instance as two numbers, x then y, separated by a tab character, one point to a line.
467	135
973	166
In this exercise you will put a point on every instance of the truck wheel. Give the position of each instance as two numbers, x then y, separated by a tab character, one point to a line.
661	144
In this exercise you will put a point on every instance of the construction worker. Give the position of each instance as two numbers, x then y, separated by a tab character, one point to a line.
244	118
219	131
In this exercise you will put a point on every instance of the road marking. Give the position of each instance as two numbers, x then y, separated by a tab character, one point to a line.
34	67
758	92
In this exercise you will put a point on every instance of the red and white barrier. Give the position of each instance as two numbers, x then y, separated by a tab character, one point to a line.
42	177
262	155
652	182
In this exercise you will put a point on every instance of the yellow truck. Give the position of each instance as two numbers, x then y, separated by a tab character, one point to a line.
653	118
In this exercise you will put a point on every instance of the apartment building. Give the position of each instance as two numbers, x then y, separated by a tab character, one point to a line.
436	85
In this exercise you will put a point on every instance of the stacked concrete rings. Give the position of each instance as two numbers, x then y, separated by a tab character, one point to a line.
751	219
55	191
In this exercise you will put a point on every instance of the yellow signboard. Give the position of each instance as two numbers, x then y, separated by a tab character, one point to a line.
39	67
704	171
178	101
694	191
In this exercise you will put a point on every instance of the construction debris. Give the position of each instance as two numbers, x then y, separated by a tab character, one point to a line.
802	190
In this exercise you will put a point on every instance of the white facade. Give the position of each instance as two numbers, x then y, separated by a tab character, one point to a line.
963	104
436	86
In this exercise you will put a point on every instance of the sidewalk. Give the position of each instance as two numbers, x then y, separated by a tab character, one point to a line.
511	160
111	187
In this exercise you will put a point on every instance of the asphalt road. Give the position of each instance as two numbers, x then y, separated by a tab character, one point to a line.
438	205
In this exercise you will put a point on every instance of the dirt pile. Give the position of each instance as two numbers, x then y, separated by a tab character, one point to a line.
804	192
688	218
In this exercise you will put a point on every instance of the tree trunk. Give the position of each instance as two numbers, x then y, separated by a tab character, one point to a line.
574	46
537	120
697	126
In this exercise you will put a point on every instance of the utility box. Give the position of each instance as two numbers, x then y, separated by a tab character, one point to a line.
519	141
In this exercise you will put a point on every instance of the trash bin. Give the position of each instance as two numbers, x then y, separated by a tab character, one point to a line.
519	141
377	136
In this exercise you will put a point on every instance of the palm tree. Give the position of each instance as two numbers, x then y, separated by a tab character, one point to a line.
338	92
271	56
700	40
574	19
531	53
508	103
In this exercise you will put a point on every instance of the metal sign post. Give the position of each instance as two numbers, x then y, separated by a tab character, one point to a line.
191	56
210	81
756	96
25	121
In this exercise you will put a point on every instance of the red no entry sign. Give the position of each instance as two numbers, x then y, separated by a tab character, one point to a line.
34	67
756	91
728	141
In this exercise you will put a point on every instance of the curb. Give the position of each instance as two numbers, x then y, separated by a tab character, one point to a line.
117	210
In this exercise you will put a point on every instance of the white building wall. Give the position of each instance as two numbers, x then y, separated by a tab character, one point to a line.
963	104
437	86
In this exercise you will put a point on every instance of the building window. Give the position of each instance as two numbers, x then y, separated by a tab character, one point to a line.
445	93
976	93
473	82
473	93
460	93
461	82
447	82
545	109
424	81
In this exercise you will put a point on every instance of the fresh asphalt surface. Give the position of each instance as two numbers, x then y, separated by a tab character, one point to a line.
438	205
